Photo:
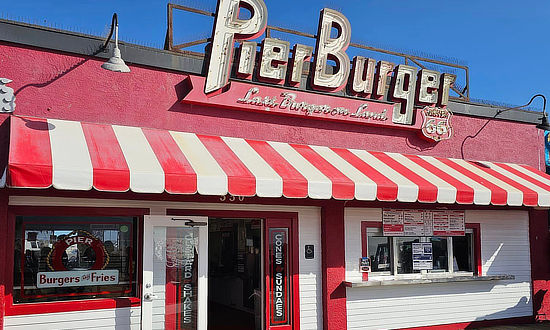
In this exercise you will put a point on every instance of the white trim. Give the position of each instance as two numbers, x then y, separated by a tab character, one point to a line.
151	221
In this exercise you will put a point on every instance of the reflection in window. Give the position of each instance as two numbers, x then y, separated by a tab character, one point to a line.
379	252
404	254
394	255
463	255
439	250
67	258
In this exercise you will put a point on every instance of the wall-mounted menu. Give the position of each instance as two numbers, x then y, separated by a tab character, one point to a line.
401	222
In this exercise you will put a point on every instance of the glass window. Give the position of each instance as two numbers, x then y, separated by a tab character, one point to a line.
440	253
463	253
403	247
69	258
378	250
394	255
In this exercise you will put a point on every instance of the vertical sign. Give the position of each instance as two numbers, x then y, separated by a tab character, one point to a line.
181	278
279	286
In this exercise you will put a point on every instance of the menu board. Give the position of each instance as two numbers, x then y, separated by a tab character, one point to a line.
401	222
448	223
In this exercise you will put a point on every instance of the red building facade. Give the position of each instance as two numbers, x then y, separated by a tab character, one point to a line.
82	201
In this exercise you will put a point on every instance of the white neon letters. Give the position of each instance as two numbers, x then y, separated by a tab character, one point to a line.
228	28
328	48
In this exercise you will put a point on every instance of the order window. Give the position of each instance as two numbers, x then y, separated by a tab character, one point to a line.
71	258
396	255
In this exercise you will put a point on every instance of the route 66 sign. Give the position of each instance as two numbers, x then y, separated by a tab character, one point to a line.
436	123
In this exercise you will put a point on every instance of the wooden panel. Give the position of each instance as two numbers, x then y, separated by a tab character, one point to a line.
504	250
120	318
311	309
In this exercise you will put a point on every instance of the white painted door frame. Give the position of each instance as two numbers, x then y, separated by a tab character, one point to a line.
151	221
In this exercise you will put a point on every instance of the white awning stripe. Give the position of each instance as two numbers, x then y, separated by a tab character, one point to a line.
365	188
446	193
482	194
268	182
86	156
319	186
211	179
72	166
146	174
514	195
407	191
542	194
530	173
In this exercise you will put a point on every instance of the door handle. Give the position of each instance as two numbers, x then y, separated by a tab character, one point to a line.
149	296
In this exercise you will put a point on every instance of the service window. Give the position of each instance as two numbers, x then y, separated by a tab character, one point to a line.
397	255
71	258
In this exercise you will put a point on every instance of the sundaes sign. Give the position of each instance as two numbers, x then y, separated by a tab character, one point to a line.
364	77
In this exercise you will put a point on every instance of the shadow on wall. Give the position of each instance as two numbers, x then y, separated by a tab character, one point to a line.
124	315
521	305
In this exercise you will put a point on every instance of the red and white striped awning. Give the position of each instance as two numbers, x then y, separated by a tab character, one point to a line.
80	156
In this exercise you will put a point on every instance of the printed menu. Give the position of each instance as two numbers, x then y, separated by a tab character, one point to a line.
402	222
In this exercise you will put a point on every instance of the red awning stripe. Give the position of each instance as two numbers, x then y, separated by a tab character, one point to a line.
498	195
30	158
240	181
81	156
179	176
110	171
464	193
342	186
386	189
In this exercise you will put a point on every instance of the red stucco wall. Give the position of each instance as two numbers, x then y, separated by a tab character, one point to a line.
63	86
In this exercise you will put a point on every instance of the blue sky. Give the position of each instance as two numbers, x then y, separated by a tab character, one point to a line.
505	43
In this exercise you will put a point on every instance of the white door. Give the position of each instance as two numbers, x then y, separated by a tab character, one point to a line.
175	273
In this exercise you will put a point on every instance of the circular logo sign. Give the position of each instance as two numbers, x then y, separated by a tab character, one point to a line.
82	237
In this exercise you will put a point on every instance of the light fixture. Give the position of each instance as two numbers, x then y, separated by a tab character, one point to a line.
115	63
544	125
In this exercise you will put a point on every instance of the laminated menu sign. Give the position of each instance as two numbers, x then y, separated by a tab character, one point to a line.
393	222
422	256
448	223
422	222
413	223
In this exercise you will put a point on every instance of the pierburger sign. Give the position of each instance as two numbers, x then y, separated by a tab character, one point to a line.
278	64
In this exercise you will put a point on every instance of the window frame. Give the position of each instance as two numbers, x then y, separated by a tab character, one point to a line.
473	228
69	305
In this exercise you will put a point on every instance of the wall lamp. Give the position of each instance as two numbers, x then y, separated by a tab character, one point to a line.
115	63
544	125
